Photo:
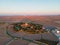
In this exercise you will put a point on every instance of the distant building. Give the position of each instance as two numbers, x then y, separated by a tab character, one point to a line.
49	28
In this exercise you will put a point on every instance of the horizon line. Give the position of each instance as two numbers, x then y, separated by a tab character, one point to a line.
29	14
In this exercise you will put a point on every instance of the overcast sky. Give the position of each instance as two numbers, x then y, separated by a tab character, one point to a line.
30	7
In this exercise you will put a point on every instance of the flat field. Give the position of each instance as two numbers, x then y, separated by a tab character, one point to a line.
6	20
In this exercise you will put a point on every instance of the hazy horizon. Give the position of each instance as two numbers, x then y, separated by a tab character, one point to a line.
27	7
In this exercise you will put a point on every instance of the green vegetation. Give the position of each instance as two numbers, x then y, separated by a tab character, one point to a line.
17	27
28	27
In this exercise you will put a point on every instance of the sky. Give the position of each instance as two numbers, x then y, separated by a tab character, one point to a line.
40	7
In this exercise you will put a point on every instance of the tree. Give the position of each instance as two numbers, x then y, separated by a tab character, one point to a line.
17	27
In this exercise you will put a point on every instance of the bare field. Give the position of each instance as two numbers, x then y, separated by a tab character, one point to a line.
46	20
5	20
